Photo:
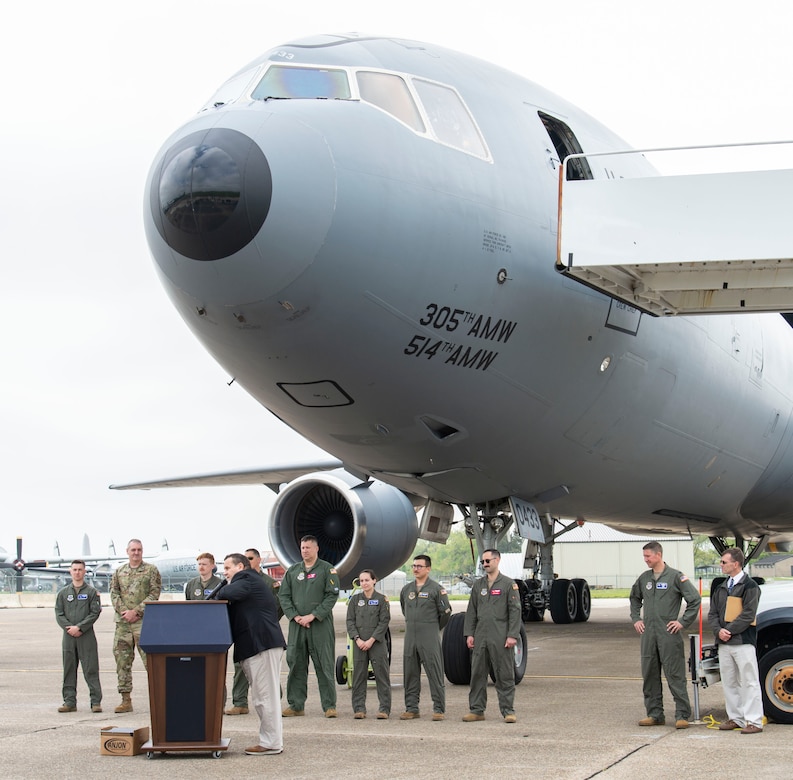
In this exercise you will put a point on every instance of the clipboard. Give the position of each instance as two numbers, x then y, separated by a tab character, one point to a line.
734	608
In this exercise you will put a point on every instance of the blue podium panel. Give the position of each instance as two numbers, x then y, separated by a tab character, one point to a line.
185	627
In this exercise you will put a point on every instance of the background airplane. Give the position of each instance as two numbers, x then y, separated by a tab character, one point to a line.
362	231
17	568
176	567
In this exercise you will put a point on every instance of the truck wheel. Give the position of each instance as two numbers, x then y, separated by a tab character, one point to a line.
776	682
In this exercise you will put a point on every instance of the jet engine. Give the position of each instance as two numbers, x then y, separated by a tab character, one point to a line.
359	525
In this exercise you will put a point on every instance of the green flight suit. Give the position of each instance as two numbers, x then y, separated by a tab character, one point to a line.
427	611
312	591
661	598
198	590
129	589
367	618
79	607
493	614
239	688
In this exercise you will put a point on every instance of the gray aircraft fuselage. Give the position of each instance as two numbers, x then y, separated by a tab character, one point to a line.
368	248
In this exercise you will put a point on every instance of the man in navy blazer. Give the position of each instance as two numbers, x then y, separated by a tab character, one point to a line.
258	646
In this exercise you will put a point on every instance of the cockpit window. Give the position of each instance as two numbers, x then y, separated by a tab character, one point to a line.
432	110
450	120
282	82
233	89
390	92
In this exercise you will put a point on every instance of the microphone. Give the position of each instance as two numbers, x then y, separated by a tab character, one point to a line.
214	594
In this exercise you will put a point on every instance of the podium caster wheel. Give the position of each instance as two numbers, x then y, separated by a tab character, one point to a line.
217	754
150	754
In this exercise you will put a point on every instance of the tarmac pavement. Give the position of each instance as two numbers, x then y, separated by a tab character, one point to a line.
577	709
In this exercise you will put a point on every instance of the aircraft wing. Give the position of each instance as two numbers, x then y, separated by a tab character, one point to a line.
272	476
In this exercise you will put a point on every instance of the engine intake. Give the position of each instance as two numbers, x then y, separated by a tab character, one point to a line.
359	525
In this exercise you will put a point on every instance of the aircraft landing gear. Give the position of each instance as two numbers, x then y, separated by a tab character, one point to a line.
563	601
532	600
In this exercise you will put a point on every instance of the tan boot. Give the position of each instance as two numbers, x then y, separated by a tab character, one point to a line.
126	703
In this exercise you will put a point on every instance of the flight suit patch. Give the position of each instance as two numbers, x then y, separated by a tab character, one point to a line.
662	585
495	592
82	596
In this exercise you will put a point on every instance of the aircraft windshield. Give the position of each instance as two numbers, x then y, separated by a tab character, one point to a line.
391	93
432	110
231	90
449	117
282	82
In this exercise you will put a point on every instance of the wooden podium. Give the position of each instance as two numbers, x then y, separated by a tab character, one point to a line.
186	644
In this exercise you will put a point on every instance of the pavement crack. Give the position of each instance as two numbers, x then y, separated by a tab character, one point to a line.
618	761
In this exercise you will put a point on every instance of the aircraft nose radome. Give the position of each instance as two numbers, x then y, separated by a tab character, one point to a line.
212	194
238	205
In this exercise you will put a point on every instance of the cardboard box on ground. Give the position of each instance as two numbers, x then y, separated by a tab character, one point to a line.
122	741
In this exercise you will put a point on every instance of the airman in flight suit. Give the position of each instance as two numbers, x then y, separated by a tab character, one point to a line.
659	592
425	605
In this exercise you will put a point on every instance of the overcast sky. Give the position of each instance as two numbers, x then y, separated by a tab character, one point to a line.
102	382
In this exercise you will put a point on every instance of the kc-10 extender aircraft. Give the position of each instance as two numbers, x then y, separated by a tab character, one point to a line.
362	231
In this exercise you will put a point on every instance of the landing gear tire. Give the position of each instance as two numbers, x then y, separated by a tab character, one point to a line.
776	683
529	613
521	659
456	655
584	600
564	601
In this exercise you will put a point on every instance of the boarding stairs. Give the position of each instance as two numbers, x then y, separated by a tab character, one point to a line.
686	243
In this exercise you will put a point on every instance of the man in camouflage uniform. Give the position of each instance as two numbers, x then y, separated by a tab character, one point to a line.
491	630
77	606
133	583
239	689
425	605
308	594
201	586
660	591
